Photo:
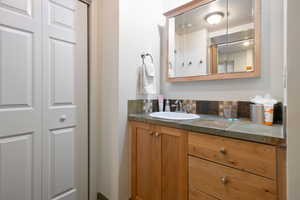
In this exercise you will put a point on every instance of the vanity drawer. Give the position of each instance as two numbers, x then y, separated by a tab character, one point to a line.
195	194
256	158
226	183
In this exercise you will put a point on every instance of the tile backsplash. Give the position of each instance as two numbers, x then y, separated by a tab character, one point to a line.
238	109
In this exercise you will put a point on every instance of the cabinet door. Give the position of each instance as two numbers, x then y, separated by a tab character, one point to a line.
148	165
174	164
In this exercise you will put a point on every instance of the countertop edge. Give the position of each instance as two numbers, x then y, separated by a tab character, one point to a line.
213	131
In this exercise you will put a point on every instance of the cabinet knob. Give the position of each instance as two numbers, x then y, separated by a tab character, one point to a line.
224	180
63	118
223	150
157	134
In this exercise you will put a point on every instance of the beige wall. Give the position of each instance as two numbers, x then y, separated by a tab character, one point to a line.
293	97
108	141
94	94
271	80
139	32
125	30
104	109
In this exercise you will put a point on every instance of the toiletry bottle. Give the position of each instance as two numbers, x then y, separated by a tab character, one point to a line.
167	108
269	109
269	114
161	103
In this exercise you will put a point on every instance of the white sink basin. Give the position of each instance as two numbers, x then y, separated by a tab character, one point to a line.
174	115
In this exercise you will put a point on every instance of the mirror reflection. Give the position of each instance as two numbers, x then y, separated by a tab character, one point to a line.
216	38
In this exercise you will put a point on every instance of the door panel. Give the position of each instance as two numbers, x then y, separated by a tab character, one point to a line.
62	17
65	103
19	6
16	162
62	72
148	184
174	164
62	159
20	99
16	88
70	4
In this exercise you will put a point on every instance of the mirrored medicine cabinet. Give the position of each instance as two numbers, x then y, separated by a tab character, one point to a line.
214	39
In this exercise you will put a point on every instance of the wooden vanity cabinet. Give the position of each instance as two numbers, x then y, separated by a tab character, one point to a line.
159	163
252	157
231	169
173	164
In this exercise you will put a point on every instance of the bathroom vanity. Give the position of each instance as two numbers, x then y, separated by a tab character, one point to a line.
209	158
206	159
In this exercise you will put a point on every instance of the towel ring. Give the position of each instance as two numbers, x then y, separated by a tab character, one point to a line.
144	55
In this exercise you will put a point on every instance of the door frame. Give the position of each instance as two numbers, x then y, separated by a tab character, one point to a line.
94	58
84	123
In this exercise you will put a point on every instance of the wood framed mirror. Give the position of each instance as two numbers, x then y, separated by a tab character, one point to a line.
214	40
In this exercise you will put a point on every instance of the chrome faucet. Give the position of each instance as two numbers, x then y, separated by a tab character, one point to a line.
178	106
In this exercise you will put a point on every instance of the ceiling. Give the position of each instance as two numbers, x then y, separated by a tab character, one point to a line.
240	12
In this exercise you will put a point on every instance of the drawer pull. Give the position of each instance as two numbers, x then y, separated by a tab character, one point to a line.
223	150
157	134
224	180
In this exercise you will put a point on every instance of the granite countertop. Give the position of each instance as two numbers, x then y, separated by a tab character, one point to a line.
213	125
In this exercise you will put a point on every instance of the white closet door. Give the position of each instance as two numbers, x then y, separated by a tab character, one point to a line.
20	99
63	100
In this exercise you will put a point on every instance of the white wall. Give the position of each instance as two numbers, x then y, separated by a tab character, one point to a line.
293	97
271	80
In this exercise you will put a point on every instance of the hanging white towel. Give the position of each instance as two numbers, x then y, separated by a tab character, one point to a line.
147	82
150	71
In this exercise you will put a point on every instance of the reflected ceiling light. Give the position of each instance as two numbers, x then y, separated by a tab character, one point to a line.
246	44
214	18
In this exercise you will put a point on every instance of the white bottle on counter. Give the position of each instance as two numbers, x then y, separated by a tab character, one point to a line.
167	108
161	103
